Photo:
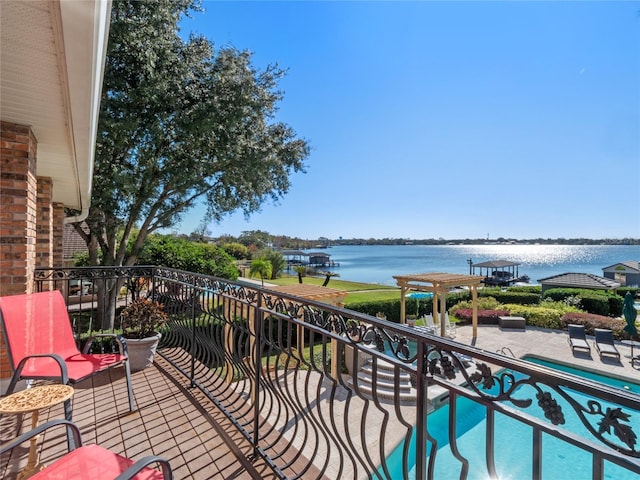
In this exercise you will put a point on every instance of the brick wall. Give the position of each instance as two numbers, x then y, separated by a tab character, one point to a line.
58	234
44	223
18	208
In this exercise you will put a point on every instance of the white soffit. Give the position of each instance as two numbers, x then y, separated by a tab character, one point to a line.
51	66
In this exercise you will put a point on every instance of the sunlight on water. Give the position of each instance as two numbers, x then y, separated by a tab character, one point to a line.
379	263
533	254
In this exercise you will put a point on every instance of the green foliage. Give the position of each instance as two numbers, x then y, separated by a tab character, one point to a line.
142	318
236	250
276	259
635	291
183	254
510	296
255	238
598	302
261	268
301	270
180	124
591	321
547	315
485	317
526	289
81	259
484	303
390	308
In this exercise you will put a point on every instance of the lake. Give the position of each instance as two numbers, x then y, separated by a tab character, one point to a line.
378	263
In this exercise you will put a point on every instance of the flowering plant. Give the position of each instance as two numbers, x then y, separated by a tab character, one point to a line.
142	318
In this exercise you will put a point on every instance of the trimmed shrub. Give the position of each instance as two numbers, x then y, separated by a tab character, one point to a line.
485	317
526	289
391	308
520	298
635	291
591	321
539	316
592	301
484	303
616	302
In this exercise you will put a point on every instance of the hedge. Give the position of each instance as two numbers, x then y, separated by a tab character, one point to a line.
593	301
538	316
591	321
520	298
391	308
485	317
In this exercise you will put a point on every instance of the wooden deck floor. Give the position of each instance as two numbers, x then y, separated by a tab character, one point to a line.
172	421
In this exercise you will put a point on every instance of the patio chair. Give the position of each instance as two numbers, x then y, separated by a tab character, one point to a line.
41	346
604	343
577	338
92	461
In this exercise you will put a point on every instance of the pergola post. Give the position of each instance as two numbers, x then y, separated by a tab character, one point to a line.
474	315
443	312
403	307
439	284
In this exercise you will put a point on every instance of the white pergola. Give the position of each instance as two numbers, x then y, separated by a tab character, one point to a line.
439	284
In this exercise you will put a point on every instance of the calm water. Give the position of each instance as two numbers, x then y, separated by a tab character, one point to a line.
378	263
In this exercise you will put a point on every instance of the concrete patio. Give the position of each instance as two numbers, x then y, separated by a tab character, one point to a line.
550	344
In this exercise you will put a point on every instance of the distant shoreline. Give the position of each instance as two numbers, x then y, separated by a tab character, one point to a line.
477	242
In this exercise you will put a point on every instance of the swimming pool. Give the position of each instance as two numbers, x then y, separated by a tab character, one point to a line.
513	440
419	295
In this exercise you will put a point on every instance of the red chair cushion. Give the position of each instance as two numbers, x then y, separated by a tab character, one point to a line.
38	323
92	462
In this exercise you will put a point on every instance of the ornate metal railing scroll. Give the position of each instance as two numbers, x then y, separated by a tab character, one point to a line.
346	395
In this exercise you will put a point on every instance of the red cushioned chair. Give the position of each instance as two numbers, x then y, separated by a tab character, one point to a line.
41	345
92	461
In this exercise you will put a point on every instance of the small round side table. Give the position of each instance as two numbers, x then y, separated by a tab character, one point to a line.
33	400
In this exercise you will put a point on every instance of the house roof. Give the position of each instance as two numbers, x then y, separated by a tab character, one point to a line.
495	264
631	264
72	242
51	69
580	280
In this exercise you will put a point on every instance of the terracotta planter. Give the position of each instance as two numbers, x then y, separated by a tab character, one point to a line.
141	351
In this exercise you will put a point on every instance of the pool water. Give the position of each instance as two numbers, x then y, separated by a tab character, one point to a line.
513	440
419	295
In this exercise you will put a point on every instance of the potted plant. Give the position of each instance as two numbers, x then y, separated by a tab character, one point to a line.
141	321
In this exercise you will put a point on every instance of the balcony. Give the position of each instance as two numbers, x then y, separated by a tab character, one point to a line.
237	393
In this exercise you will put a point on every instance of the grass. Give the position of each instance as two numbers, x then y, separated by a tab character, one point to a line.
358	292
333	283
371	296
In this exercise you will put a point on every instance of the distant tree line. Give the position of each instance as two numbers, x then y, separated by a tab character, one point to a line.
258	239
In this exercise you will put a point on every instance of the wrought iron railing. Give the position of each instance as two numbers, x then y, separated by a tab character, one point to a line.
347	395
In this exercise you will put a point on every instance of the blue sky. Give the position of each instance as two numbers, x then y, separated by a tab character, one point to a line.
448	119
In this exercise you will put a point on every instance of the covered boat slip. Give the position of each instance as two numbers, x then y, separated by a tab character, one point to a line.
497	272
439	284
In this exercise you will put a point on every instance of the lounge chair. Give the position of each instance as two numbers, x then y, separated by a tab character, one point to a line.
40	344
91	461
604	343
577	338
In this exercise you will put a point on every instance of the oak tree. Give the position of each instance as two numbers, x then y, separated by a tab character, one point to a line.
181	123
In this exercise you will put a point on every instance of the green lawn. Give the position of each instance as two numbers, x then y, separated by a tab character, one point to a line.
333	283
371	296
358	292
